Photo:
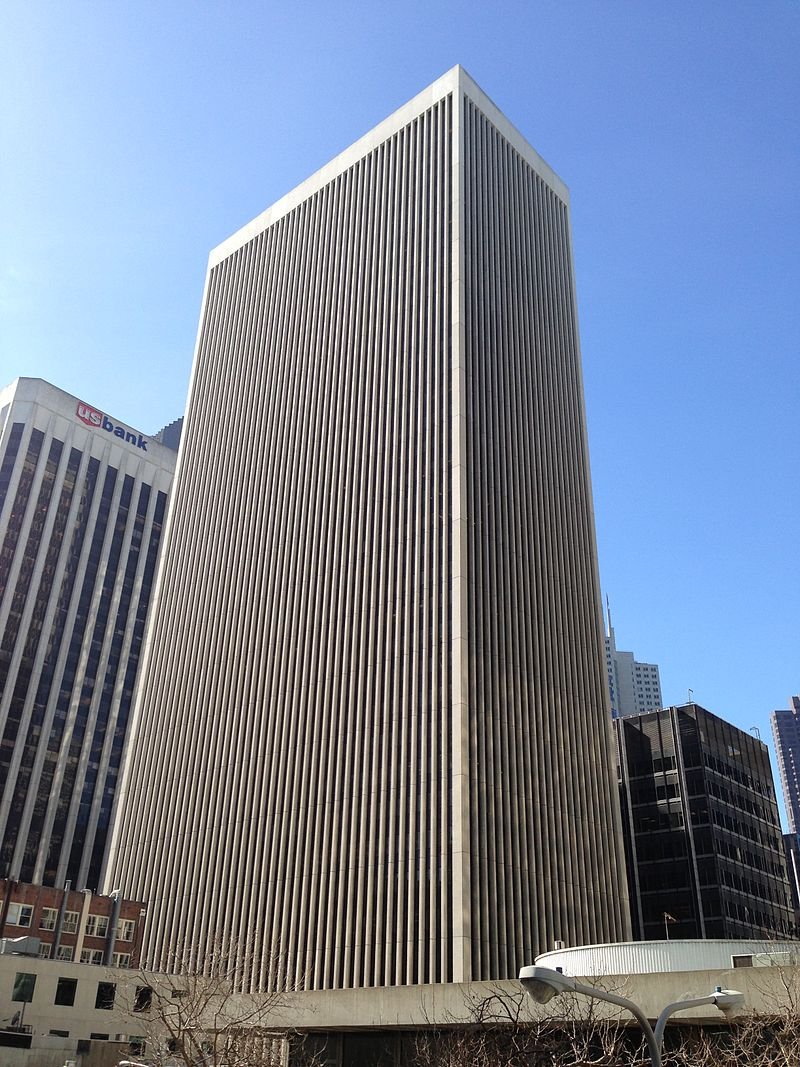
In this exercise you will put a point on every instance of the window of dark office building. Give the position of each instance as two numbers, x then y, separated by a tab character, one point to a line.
91	788
7	465
39	624
67	685
54	634
30	553
20	503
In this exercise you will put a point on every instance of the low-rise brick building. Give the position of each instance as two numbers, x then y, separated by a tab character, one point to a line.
73	925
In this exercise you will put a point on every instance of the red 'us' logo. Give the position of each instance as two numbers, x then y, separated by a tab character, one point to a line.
90	416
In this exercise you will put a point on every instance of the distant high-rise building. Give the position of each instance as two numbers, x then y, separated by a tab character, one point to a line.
635	687
375	676
702	834
82	500
170	435
786	735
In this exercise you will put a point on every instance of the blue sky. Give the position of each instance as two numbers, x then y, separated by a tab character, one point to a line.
137	136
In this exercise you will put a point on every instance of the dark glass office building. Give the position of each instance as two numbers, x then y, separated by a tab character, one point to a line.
82	503
702	834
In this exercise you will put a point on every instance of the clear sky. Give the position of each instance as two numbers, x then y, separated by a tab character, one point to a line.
135	137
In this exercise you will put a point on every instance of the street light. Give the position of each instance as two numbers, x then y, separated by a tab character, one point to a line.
542	984
727	1000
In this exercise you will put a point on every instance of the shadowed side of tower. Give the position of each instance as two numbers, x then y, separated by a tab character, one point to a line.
371	733
543	804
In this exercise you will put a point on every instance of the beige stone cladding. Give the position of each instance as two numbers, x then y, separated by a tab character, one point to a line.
372	736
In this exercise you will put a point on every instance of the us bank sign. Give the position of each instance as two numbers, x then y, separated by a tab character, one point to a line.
98	421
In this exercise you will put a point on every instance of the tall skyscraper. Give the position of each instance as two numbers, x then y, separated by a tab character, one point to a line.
786	735
634	687
372	732
82	501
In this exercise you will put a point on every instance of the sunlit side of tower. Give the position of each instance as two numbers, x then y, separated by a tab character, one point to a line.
373	728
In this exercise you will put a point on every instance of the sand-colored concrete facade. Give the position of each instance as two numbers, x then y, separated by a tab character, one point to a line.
57	1027
372	734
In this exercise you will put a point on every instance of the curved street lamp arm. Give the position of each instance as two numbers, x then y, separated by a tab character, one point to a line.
678	1005
725	999
653	1046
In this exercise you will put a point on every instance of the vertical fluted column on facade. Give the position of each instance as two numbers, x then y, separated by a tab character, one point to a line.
461	787
370	736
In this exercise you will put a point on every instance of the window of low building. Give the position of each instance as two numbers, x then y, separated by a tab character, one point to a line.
97	925
65	992
125	929
44	950
24	985
65	953
19	915
106	991
70	922
143	998
91	955
47	919
121	959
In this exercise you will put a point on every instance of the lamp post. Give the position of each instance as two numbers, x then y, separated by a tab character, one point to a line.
542	984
